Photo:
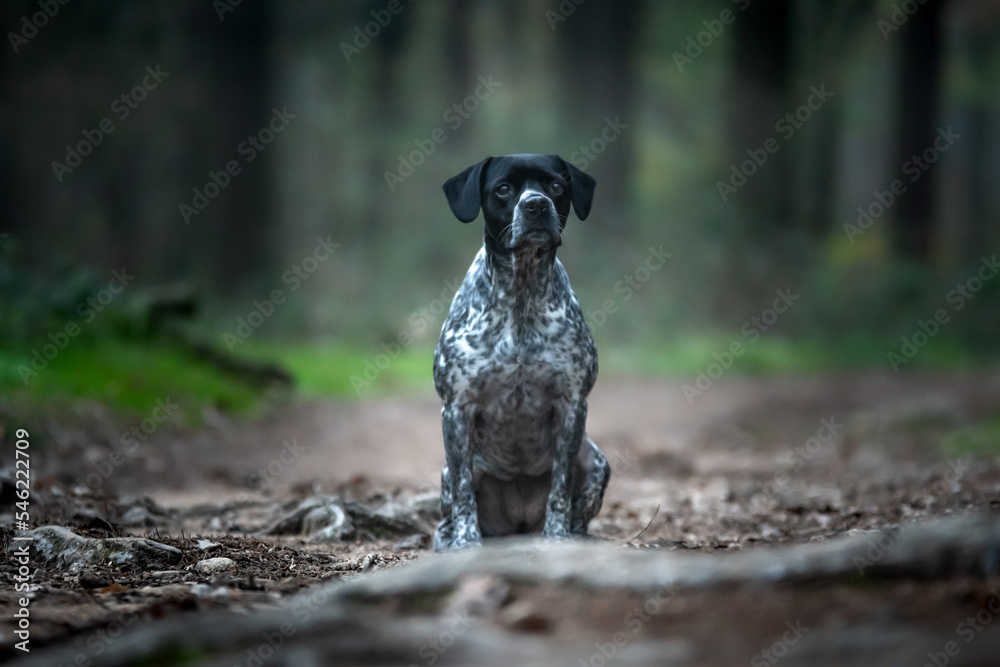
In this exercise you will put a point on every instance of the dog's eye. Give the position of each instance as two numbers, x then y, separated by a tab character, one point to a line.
503	190
556	187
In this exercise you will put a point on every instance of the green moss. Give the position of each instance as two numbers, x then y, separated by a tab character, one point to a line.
772	355
982	439
130	378
349	371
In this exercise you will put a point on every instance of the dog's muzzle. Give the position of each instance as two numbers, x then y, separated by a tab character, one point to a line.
535	206
536	221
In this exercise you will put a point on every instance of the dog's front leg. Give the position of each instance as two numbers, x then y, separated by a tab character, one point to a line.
569	437
458	453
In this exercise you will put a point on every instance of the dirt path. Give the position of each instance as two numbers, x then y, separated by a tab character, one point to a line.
752	463
398	440
746	441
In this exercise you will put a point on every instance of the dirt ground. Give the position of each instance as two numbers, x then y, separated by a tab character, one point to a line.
751	464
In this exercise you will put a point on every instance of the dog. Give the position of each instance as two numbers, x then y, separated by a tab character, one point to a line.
516	361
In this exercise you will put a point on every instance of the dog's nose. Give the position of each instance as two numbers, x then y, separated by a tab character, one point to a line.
534	206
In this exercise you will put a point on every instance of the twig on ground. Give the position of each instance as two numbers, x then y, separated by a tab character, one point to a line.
630	543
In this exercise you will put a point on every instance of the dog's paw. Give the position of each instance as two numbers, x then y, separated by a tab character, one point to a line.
468	544
449	538
456	545
557	533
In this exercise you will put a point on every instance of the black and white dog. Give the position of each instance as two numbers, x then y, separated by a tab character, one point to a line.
516	361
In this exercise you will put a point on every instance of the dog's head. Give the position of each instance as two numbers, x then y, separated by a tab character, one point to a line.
525	198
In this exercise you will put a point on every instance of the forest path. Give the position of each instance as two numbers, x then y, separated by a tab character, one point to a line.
751	465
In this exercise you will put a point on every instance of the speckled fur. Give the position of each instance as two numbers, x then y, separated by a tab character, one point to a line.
514	366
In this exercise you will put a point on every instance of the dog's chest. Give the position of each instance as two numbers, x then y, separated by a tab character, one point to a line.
514	353
520	353
517	362
519	390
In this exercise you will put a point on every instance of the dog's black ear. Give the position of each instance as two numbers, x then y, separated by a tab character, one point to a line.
582	190
463	191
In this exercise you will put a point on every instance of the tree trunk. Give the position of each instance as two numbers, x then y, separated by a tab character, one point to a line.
759	97
830	35
917	124
597	49
240	233
458	50
978	141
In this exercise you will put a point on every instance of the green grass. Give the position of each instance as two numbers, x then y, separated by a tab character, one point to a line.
687	356
340	370
128	377
982	439
346	371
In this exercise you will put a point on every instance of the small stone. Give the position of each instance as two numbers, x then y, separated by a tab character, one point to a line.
215	565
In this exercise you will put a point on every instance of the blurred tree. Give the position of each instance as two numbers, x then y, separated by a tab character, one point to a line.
562	79
383	101
598	75
980	53
917	119
828	37
459	47
760	95
237	57
10	217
